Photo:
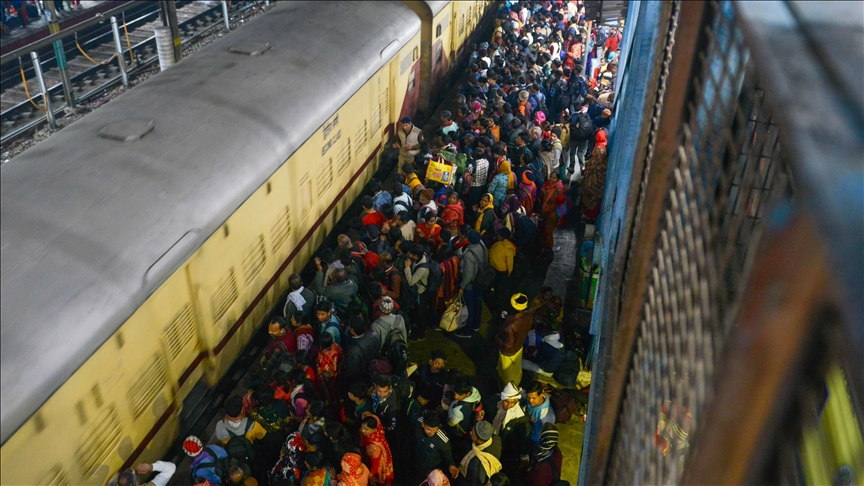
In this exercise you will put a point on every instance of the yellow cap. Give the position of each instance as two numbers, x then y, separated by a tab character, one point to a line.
519	302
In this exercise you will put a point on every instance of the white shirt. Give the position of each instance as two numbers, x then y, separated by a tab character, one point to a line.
165	470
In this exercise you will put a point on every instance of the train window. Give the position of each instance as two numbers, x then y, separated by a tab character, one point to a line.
411	80
438	31
405	64
98	442
149	383
180	331
361	139
376	119
305	195
415	54
269	187
344	157
280	230
325	178
385	104
224	296
254	260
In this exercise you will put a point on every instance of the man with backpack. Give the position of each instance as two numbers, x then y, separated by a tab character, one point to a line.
466	409
423	278
475	259
581	134
360	350
387	405
208	463
341	292
390	328
236	433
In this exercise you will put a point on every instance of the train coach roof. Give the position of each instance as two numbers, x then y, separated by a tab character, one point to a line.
437	5
84	217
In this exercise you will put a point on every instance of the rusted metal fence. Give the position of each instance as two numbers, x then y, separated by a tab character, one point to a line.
735	342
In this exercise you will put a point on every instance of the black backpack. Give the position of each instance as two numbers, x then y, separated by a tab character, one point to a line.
395	348
239	447
220	466
541	104
435	278
526	230
402	389
581	127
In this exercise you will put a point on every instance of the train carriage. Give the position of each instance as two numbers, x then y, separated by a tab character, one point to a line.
142	245
449	28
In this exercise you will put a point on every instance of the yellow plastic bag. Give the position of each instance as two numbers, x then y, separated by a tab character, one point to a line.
440	172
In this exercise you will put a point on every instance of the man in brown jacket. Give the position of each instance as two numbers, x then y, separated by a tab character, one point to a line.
510	339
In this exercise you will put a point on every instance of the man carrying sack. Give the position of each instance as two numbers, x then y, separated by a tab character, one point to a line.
510	339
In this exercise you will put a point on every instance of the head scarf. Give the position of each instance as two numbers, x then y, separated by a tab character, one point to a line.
548	442
512	204
504	168
510	392
354	472
539	117
600	138
378	451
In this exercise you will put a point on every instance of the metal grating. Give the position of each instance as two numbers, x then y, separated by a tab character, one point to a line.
385	104
98	442
253	262
281	229
727	168
224	297
180	331
361	139
147	386
344	160
56	476
376	119
325	178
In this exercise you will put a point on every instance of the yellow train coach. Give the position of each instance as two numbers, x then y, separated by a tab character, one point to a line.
142	245
449	30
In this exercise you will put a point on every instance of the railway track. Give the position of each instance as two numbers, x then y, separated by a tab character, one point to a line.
19	116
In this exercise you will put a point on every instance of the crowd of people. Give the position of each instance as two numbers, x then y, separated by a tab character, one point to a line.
335	398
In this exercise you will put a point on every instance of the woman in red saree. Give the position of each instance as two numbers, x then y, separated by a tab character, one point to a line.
375	445
329	359
453	214
354	472
552	196
594	177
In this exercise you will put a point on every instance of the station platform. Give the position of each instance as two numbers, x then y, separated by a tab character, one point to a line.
477	357
38	28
